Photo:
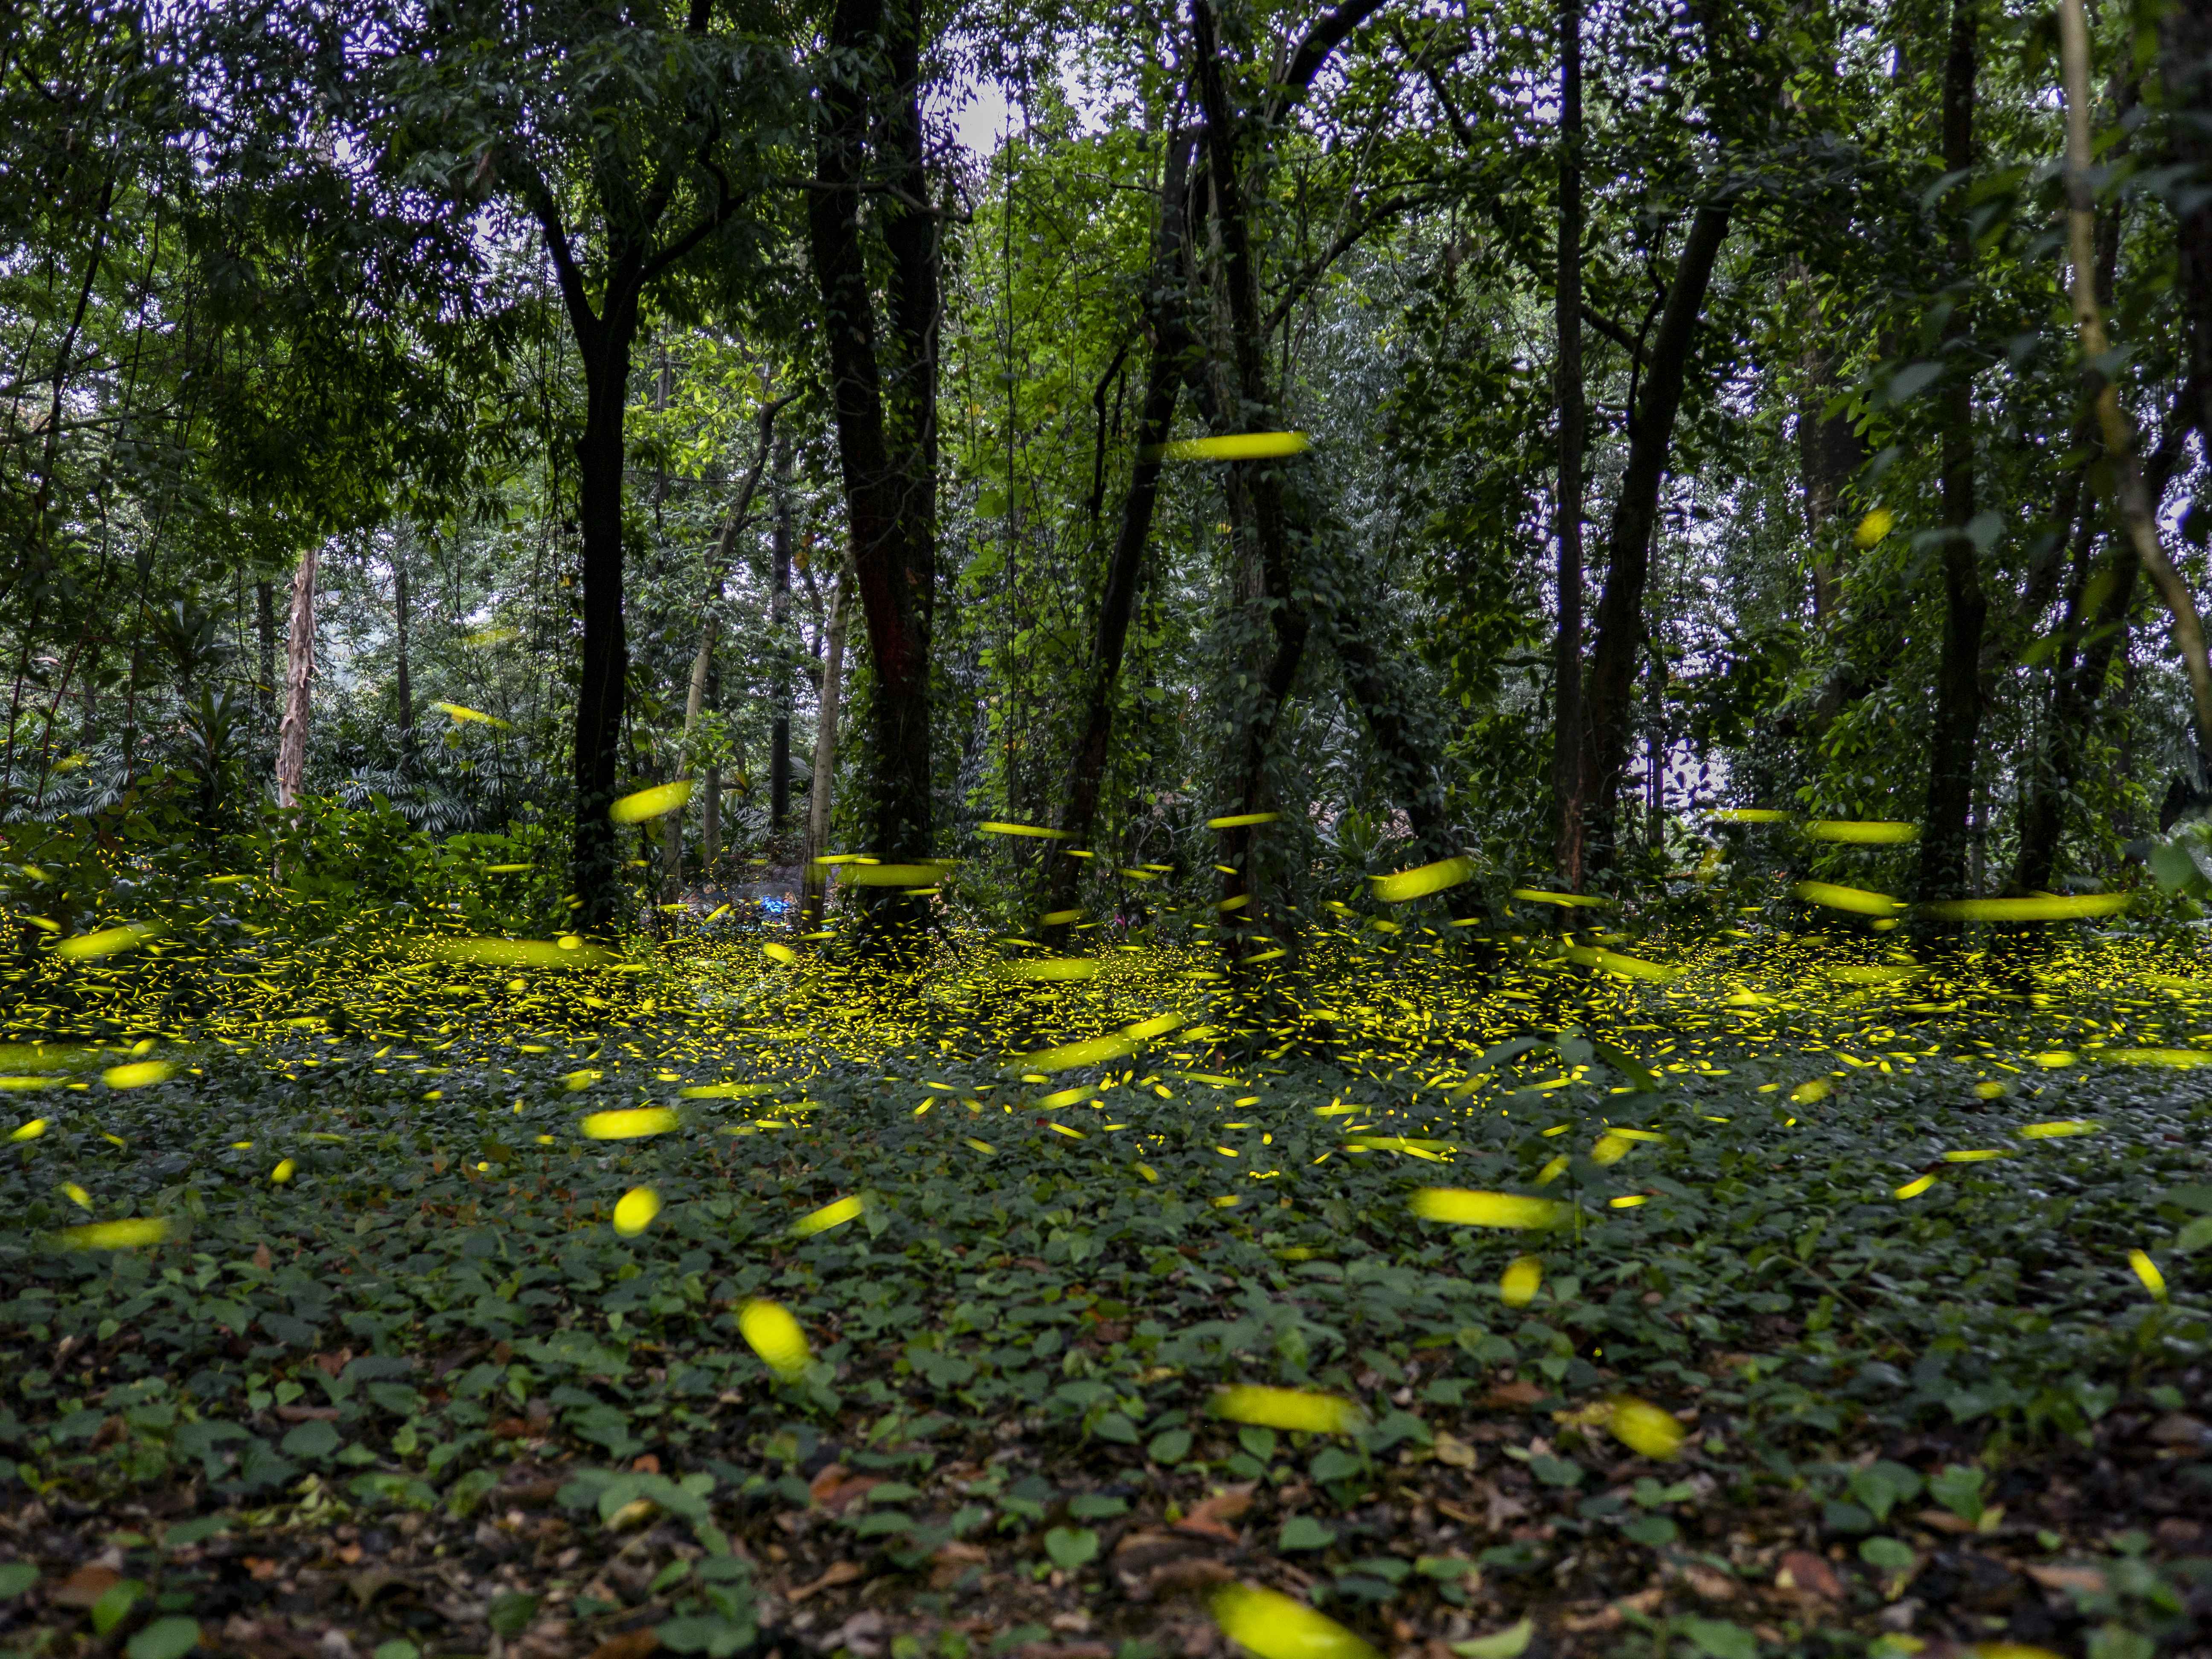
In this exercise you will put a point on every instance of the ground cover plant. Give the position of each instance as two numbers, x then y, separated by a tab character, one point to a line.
1905	1258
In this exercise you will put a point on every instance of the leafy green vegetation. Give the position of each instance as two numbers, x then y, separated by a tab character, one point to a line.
426	1368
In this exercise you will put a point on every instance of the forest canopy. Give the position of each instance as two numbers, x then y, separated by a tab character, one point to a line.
1694	399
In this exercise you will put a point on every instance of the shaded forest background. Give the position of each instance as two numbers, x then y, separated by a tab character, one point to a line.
474	413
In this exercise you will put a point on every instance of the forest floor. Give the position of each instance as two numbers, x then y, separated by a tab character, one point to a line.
421	1398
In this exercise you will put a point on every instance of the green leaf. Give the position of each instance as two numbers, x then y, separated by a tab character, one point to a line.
1721	1639
1335	1463
1882	1486
1070	1546
2195	1237
1096	1506
398	1648
1556	1471
1303	1532
115	1604
1508	1644
1652	1531
194	1532
315	1439
1958	1489
16	1577
467	1493
165	1638
510	1613
1887	1554
1170	1446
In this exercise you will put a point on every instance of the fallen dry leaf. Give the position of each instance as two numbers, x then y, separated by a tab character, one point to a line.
1519	1392
1711	1585
839	1573
2081	1580
630	1644
1605	1618
953	1560
1211	1519
262	1259
1807	1574
1944	1521
1193	1572
85	1586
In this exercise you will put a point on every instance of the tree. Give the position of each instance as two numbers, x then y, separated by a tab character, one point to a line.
868	138
636	144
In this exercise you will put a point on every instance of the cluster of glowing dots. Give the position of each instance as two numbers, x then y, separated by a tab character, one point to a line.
1388	996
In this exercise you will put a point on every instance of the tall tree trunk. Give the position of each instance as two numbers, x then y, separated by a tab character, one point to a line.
1830	453
2130	492
1954	738
2078	686
265	687
779	734
2186	68
299	675
1263	482
597	853
1567	736
402	618
1620	626
825	756
702	661
886	424
1172	347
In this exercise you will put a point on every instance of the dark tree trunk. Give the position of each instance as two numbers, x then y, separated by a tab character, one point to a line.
2185	66
2078	686
1830	453
886	422
1262	483
606	652
1172	348
1955	736
1620	624
1567	505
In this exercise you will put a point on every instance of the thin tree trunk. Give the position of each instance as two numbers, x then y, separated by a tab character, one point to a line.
264	688
703	661
403	687
1567	736
1620	623
2079	685
1830	453
1954	737
2130	491
778	734
886	424
2185	70
1172	350
299	676
825	756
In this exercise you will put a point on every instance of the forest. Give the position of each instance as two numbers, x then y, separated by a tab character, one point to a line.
1105	831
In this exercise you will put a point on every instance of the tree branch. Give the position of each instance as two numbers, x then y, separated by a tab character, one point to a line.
1328	32
581	316
732	527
